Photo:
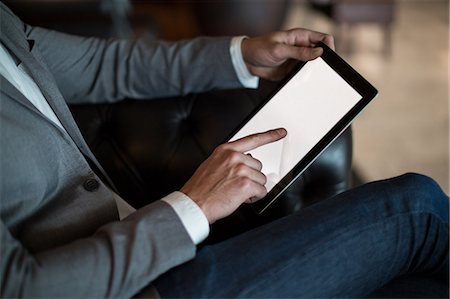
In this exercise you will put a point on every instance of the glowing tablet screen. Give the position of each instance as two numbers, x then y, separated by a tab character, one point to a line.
308	107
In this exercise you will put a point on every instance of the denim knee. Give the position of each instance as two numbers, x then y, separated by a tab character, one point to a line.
421	192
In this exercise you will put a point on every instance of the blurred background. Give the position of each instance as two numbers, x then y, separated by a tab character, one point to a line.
400	46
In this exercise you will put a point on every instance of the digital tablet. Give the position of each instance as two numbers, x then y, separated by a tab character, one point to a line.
317	102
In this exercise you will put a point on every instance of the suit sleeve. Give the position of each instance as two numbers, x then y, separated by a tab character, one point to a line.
97	70
118	261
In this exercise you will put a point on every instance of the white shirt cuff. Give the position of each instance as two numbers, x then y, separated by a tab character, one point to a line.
192	217
247	80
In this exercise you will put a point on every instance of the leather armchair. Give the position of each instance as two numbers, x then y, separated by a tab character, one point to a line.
152	147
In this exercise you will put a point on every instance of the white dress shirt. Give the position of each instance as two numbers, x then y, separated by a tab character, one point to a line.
190	214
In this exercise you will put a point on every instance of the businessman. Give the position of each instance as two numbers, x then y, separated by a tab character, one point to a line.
61	233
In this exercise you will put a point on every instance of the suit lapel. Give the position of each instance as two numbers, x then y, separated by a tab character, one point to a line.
43	78
25	52
12	91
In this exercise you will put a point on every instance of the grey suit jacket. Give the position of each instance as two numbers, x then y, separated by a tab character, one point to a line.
58	239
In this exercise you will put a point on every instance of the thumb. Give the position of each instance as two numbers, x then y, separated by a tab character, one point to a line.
300	53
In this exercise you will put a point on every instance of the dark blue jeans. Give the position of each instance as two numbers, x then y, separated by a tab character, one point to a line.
383	239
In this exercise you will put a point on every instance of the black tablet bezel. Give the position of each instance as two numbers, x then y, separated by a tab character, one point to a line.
357	82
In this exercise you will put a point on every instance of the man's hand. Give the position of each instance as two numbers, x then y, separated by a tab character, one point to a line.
229	177
273	56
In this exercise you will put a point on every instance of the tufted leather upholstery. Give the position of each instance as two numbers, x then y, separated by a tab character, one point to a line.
151	148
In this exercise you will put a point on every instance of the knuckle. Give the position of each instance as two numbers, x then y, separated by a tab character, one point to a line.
245	183
221	148
277	51
241	169
233	157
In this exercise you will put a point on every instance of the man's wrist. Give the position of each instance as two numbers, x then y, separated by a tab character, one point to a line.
245	77
190	214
